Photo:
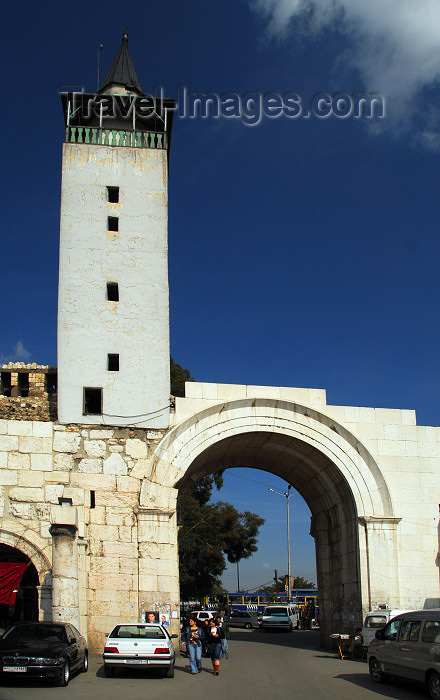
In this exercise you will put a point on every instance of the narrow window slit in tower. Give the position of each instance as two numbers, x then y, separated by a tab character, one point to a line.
112	291
92	401
113	223
113	195
113	362
92	499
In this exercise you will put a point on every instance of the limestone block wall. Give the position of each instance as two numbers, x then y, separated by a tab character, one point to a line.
120	574
408	458
120	484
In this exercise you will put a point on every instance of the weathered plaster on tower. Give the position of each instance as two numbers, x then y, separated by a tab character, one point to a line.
135	257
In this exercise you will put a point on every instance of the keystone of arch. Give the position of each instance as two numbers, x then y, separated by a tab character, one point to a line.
185	442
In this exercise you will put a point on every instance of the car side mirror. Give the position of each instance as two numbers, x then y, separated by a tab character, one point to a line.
379	634
72	640
174	636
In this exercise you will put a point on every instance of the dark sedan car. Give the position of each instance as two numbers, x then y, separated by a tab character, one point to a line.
50	650
242	618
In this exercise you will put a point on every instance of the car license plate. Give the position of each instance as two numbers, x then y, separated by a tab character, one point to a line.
15	669
140	661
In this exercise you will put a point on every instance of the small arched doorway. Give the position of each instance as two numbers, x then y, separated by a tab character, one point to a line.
38	580
25	605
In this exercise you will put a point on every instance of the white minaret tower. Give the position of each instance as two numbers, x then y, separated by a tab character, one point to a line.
113	308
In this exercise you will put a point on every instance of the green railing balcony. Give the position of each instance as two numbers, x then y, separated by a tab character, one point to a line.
115	137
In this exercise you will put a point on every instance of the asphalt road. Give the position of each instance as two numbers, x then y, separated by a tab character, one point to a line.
262	666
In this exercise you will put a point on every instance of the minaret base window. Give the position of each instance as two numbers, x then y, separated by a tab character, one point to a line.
92	401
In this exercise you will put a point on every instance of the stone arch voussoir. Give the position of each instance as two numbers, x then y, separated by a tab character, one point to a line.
184	443
37	557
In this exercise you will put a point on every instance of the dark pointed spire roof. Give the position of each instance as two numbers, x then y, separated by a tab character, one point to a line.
122	70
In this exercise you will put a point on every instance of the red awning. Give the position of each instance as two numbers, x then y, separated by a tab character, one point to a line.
10	575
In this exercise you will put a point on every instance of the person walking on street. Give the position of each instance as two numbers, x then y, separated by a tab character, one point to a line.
216	634
221	623
192	638
205	628
303	617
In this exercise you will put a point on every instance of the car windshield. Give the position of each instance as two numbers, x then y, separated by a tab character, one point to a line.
276	611
35	633
138	632
375	621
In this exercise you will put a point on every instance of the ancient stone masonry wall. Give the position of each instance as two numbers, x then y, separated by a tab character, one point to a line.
100	472
28	392
35	408
103	498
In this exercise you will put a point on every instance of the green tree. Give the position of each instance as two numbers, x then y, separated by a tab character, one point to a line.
241	540
178	377
208	532
201	561
202	490
299	582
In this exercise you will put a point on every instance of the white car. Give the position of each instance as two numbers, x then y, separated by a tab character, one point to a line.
377	619
139	645
279	617
202	614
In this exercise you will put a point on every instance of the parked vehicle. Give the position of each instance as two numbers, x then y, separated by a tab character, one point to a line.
408	647
241	618
203	614
377	619
50	650
280	617
139	645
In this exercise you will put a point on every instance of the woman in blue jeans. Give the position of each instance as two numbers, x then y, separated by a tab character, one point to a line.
192	638
214	637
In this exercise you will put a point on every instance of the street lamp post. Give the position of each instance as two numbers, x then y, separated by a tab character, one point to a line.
287	495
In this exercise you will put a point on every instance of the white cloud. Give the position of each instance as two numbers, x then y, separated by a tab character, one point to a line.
394	45
18	354
266	566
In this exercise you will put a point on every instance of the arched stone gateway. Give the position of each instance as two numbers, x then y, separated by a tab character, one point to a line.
11	542
94	507
353	522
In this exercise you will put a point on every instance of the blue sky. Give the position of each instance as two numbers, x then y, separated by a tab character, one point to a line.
303	252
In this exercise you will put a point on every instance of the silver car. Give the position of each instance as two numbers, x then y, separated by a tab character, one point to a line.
408	647
242	618
139	645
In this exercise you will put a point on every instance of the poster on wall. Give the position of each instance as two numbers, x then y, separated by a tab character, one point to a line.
165	619
152	616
